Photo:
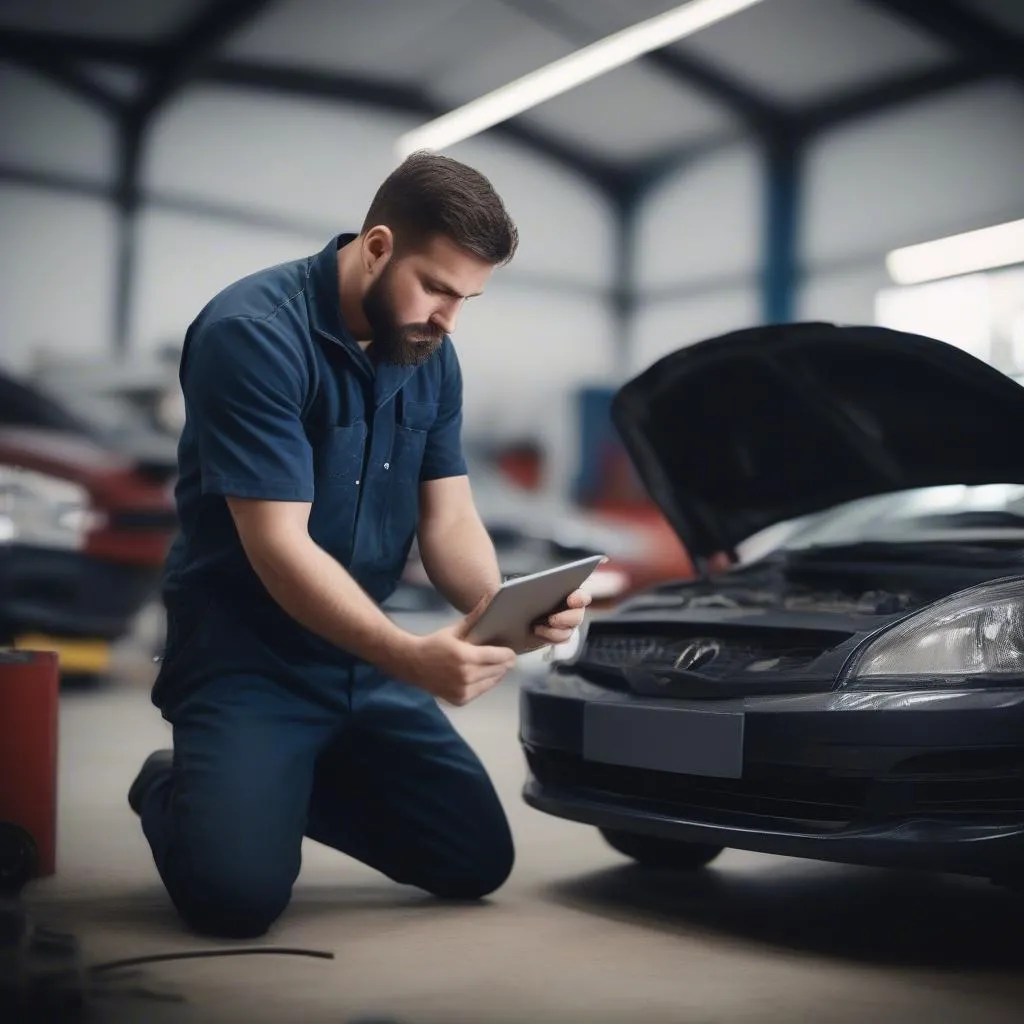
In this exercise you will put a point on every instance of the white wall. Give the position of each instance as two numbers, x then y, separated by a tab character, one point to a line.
927	169
845	296
698	246
315	162
924	170
58	251
56	275
702	223
523	352
183	260
662	326
43	128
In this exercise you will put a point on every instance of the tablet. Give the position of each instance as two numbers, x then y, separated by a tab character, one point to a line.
508	620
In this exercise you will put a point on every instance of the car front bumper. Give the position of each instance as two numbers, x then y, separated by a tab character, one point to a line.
923	779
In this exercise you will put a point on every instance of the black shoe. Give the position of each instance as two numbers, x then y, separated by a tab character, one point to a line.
157	764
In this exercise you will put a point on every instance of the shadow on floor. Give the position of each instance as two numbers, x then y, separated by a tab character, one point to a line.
894	918
148	909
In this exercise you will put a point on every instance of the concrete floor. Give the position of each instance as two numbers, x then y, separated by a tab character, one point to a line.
577	934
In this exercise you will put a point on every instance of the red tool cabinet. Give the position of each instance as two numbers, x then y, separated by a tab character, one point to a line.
29	696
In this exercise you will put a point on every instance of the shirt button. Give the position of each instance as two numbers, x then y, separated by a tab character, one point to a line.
357	483
387	465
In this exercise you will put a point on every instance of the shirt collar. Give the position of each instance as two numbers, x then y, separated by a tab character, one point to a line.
324	300
326	319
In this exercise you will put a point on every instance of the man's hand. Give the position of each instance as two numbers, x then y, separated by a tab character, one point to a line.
451	669
559	627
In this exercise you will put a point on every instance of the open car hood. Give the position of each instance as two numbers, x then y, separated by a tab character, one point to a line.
743	431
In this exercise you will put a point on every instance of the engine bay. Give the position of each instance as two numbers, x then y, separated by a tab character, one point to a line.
845	602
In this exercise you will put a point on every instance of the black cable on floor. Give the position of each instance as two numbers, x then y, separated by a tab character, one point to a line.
135	961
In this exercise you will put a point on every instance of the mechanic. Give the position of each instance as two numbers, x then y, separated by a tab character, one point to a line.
323	418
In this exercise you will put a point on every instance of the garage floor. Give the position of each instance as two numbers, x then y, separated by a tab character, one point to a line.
577	934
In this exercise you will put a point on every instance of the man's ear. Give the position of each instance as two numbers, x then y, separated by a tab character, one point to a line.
378	245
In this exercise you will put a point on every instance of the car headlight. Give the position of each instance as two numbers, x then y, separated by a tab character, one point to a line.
969	637
39	510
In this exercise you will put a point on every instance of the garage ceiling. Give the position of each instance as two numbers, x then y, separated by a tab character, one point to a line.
779	73
783	68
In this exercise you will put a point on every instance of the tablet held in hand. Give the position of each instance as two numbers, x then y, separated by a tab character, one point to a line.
514	611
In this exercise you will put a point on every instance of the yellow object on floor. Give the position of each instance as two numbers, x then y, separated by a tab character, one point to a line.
76	654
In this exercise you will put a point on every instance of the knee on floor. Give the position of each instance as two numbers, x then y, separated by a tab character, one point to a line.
238	905
473	878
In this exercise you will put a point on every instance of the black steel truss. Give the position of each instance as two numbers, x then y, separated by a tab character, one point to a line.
973	36
193	54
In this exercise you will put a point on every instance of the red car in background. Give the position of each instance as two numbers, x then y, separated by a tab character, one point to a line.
85	523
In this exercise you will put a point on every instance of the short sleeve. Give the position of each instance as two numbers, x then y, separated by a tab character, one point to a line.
245	387
443	455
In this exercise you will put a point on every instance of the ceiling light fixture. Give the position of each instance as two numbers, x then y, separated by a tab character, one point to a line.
999	246
566	73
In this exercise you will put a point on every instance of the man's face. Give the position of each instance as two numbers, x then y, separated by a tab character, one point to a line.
415	300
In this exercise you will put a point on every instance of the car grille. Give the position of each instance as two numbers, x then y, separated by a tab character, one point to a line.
612	650
778	793
618	651
772	662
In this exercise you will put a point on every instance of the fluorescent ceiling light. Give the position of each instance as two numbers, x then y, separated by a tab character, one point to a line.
998	246
561	75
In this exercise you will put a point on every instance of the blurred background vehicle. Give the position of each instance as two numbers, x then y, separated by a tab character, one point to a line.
86	518
532	531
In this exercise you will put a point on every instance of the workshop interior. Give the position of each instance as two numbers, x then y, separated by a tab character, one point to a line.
759	357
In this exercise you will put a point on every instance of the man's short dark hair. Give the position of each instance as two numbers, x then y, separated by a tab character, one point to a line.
429	195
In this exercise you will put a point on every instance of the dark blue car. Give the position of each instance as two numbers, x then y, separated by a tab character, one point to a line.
853	693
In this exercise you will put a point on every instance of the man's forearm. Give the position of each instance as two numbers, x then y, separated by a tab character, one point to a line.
317	591
459	557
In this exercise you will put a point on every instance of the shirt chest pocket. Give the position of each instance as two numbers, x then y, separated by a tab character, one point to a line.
340	457
401	512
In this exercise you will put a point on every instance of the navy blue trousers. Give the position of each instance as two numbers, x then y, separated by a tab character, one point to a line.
380	775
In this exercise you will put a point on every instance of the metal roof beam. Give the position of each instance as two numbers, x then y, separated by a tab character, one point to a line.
198	40
605	174
887	94
53	58
760	115
402	99
969	34
68	77
177	59
51	46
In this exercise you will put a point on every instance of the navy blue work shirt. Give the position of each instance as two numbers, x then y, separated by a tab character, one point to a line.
283	404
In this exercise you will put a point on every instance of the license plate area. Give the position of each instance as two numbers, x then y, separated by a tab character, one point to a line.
664	738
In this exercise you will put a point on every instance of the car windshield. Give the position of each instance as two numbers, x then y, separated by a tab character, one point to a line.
968	514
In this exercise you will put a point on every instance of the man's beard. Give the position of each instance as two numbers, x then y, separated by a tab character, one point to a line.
393	343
